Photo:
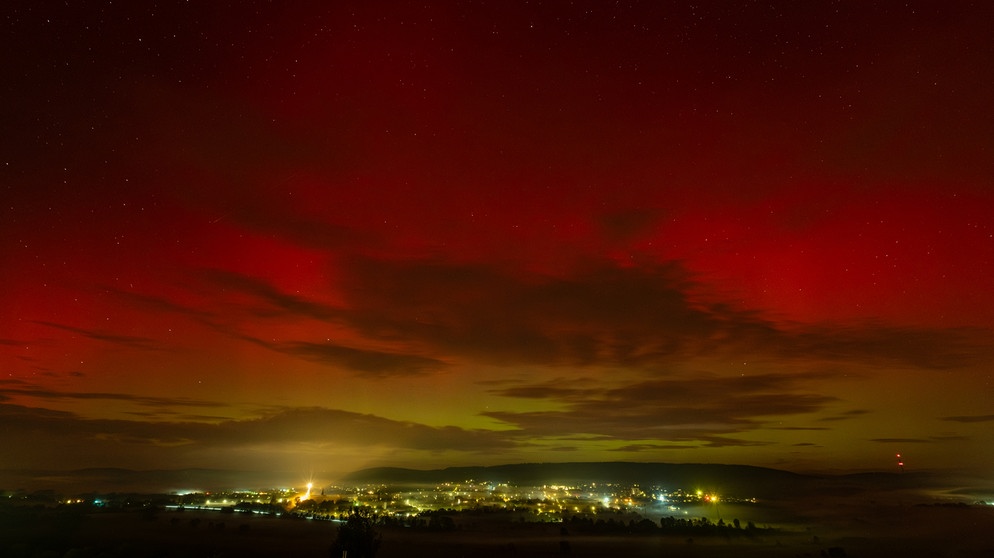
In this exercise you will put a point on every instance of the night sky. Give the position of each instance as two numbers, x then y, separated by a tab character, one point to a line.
320	236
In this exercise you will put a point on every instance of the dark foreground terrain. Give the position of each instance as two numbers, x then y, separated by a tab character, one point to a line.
854	529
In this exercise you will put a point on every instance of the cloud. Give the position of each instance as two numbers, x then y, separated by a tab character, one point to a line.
163	414
37	436
266	292
165	402
641	316
652	447
622	226
14	414
970	418
157	304
27	390
847	415
124	340
603	315
929	440
703	411
332	426
723	442
267	301
364	361
798	428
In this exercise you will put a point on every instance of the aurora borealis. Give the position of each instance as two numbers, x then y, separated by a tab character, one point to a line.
324	236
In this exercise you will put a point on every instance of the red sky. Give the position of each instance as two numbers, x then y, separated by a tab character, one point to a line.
324	237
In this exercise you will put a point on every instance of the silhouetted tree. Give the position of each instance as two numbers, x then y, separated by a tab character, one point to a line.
356	537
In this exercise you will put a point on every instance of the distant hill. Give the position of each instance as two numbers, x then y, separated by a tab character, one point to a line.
743	480
111	479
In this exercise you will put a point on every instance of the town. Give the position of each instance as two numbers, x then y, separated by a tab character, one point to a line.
545	503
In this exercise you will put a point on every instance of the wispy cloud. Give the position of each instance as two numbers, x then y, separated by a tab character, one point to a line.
274	299
970	418
704	411
847	415
367	362
651	447
158	304
144	343
798	428
28	390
